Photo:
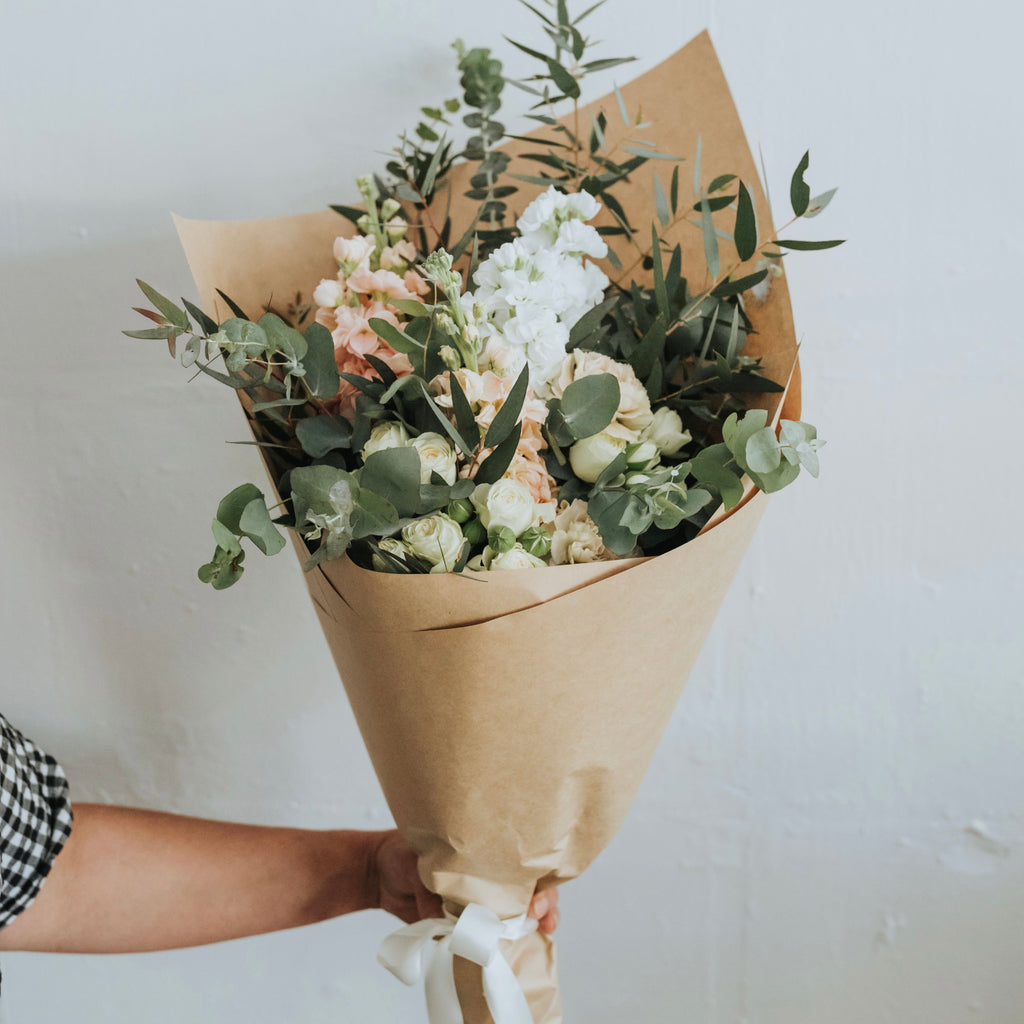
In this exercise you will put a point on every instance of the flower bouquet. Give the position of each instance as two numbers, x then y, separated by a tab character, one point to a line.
542	373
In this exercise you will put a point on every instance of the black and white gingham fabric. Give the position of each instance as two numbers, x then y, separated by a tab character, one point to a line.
35	819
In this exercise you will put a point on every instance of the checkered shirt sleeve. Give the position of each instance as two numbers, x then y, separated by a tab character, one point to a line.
35	819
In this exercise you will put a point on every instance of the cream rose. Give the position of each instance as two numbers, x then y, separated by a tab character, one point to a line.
505	503
436	456
592	455
393	546
386	435
666	431
436	539
517	558
576	538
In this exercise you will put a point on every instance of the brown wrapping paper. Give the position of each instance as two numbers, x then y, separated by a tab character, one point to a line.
510	717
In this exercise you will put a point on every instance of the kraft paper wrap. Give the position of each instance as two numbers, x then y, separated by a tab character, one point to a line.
510	717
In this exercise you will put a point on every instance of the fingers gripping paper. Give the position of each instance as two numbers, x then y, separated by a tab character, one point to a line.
511	718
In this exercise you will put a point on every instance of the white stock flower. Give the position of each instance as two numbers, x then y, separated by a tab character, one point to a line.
578	239
505	503
436	456
541	336
389	434
517	557
437	539
576	538
542	219
353	252
591	456
329	293
502	359
666	431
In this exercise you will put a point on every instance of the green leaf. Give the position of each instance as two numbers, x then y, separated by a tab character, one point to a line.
715	203
740	284
372	513
661	203
589	404
231	507
278	403
590	321
321	376
763	452
464	418
170	311
394	474
493	467
660	291
745	232
282	338
650	349
396	338
152	333
674	190
508	415
622	106
319	435
542	17
715	467
208	324
233	306
561	77
818	203
799	193
614	468
350	213
710	239
720	182
410	307
696	169
608	509
789	243
607	62
256	525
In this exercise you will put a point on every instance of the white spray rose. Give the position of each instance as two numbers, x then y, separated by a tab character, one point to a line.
576	538
390	434
393	546
516	558
666	431
505	503
436	456
591	456
436	539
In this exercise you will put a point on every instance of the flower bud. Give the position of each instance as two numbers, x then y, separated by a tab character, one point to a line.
364	223
450	357
475	532
461	510
367	188
537	542
389	208
501	539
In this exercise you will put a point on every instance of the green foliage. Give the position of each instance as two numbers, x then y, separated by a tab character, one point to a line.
589	404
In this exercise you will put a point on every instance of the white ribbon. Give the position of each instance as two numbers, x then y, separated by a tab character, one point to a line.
475	936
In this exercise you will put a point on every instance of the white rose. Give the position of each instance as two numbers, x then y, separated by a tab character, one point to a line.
517	558
389	434
436	539
393	546
643	456
590	457
576	538
666	431
505	503
436	456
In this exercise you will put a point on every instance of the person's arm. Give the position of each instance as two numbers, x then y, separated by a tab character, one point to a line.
131	881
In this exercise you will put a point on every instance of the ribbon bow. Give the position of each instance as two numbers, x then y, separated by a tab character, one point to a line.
474	935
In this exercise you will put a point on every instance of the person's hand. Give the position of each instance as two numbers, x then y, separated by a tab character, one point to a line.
395	886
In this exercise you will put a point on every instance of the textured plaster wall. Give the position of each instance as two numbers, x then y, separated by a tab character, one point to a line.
832	828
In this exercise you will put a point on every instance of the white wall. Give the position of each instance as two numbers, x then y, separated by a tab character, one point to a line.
832	829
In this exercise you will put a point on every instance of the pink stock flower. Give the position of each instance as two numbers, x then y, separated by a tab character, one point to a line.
365	281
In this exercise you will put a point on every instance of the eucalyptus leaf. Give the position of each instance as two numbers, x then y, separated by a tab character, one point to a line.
508	415
396	338
799	193
255	524
319	435
589	404
171	312
763	452
745	230
493	467
321	375
789	243
818	203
